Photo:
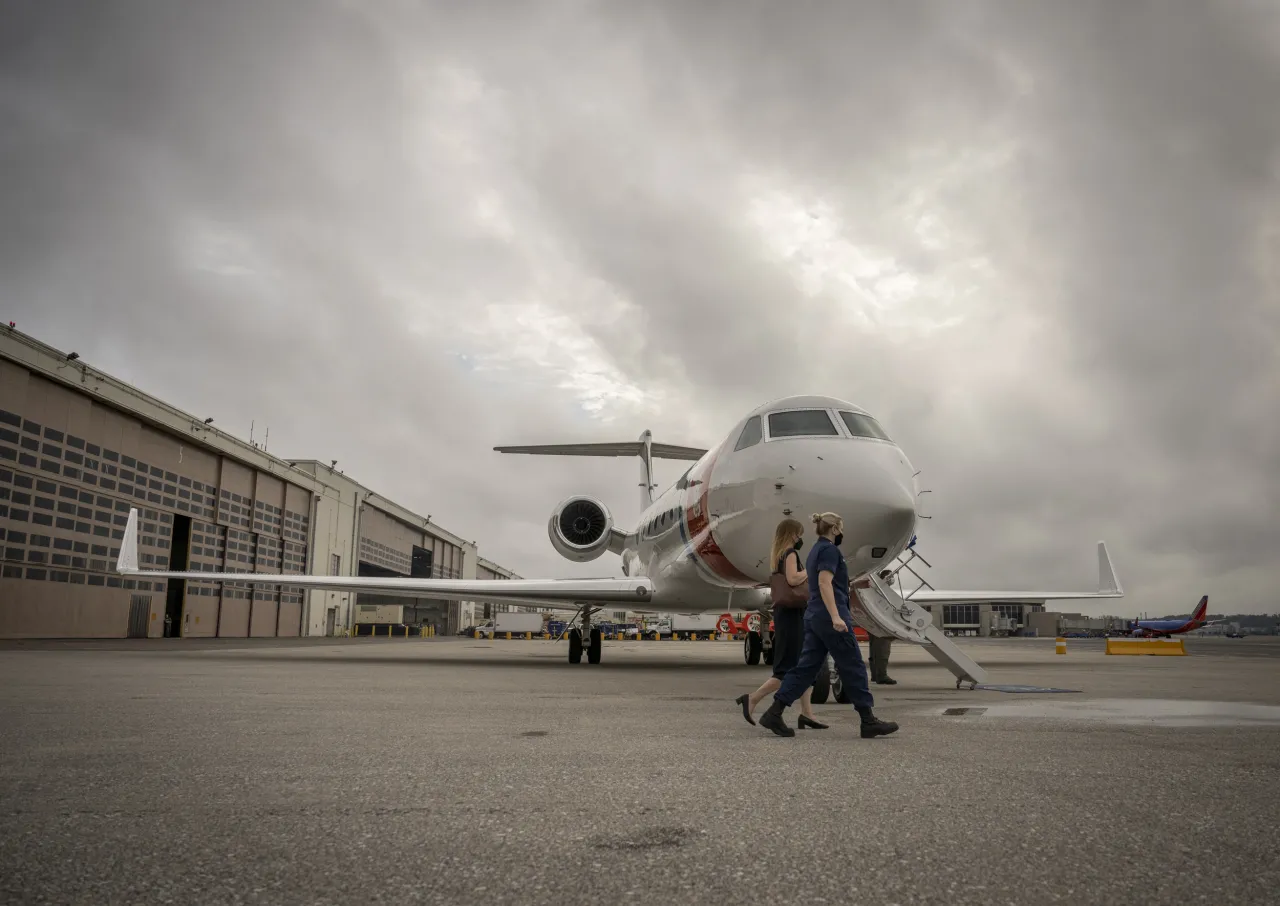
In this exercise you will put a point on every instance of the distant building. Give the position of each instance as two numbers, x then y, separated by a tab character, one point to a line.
978	618
78	448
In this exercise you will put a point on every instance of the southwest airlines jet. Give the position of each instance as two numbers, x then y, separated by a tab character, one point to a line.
702	545
1176	626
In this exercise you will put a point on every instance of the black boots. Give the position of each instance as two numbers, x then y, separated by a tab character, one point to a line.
873	726
773	720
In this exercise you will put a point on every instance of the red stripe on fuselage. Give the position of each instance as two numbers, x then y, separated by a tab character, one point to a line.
698	519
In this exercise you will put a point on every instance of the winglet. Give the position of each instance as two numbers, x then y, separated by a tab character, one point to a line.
127	562
1107	581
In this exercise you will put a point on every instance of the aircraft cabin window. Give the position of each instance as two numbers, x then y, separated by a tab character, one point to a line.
801	423
863	425
750	434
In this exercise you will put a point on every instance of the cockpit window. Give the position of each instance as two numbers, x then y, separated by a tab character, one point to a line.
860	425
801	423
750	434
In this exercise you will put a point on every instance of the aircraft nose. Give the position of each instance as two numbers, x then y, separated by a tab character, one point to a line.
871	487
882	513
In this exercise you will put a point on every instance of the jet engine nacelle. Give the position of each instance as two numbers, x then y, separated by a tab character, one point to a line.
579	529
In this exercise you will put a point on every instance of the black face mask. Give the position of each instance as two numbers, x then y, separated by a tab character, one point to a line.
838	539
799	543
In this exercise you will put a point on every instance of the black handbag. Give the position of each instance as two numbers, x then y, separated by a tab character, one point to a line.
784	594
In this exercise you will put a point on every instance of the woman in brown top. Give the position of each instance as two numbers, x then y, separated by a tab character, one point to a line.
788	625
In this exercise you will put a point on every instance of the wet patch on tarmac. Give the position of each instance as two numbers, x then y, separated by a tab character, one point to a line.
958	712
690	698
646	838
1144	712
1011	687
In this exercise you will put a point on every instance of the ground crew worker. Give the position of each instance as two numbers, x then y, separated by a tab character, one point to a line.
880	646
880	661
828	628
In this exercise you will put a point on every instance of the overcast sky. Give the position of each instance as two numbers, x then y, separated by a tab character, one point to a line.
1040	241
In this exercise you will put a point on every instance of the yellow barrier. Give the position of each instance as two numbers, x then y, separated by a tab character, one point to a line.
1173	647
1060	646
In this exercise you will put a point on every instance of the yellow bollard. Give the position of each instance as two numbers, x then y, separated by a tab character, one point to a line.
528	636
508	636
1061	645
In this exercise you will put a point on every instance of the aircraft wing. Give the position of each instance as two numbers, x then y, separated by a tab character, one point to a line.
567	593
1108	587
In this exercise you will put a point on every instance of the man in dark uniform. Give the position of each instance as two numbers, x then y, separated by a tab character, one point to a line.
880	646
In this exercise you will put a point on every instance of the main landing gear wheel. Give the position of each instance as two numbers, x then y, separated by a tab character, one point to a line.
751	646
821	686
597	644
842	695
575	646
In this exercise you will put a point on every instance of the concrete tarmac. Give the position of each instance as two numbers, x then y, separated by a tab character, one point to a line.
462	771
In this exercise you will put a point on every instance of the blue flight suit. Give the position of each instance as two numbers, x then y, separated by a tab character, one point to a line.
820	637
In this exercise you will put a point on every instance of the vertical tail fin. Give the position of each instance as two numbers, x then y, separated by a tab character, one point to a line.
1201	611
644	448
646	469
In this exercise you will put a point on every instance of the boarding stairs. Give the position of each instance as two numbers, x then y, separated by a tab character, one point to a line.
880	609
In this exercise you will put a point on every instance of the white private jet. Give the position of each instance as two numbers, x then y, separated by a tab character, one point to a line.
702	546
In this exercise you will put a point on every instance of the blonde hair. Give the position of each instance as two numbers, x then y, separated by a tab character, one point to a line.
825	522
784	537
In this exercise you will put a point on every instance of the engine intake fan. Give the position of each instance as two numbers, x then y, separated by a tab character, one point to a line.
580	528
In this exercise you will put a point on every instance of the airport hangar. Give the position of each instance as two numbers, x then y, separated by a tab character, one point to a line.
78	448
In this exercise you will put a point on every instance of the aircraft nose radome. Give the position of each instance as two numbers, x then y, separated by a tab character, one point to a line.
870	487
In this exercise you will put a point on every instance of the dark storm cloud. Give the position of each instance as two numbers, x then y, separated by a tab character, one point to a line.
285	199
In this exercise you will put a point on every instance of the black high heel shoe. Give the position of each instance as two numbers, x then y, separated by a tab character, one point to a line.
805	723
745	701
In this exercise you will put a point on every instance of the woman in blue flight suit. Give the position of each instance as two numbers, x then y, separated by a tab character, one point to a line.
828	628
788	624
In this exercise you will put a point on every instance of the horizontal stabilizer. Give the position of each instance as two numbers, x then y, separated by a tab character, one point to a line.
621	448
